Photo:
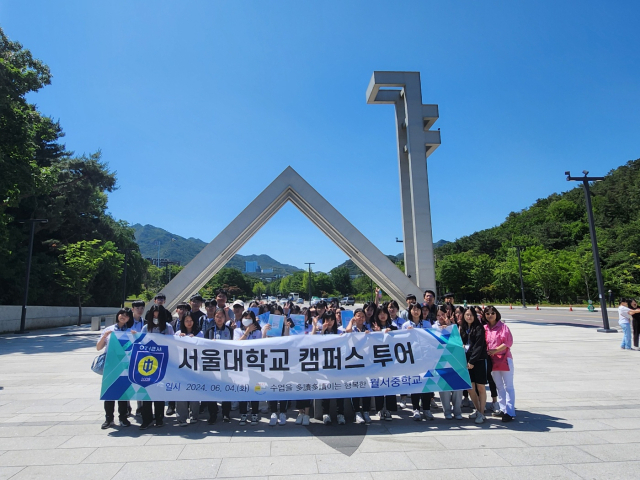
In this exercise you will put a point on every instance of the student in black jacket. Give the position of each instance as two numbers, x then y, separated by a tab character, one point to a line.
475	345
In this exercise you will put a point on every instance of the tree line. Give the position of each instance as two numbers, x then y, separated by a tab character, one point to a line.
557	260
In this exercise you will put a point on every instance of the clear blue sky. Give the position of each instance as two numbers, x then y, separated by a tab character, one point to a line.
199	105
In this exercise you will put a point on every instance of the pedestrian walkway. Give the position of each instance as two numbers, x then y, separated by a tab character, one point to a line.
577	417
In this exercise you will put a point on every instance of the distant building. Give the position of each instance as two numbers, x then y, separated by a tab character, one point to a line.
267	270
163	262
251	267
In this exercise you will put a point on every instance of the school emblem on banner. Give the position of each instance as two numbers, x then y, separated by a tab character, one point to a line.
148	363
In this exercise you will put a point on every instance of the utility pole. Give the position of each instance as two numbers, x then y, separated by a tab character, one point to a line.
594	245
518	247
309	282
124	281
23	315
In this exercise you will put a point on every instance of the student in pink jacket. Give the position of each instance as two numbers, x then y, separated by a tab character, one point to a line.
499	342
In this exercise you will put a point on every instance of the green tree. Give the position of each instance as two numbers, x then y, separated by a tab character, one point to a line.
341	280
258	289
79	265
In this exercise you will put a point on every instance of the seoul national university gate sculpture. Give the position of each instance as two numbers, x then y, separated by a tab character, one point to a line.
415	143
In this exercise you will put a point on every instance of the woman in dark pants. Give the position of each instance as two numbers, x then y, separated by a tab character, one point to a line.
157	321
635	323
121	325
385	404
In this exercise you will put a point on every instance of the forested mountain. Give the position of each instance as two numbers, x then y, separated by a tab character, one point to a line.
176	248
557	262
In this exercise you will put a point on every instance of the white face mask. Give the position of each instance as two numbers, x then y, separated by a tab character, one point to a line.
156	321
247	322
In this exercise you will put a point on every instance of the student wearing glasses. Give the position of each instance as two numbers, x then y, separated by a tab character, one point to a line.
499	343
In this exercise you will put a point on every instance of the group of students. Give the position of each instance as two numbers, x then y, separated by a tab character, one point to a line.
487	343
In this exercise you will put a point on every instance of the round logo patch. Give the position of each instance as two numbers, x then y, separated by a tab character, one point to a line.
147	365
261	388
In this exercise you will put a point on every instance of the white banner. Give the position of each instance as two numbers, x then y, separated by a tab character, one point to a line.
162	367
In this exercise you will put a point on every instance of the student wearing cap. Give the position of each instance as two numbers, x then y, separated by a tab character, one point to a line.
195	302
238	310
448	298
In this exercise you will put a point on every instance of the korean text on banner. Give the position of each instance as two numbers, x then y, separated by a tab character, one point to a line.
158	367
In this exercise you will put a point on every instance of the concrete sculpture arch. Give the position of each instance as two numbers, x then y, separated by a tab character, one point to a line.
289	186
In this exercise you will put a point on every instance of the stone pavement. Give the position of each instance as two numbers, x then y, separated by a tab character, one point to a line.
577	402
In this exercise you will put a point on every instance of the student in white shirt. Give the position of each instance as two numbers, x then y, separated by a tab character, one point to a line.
415	320
158	319
250	330
327	325
219	330
187	328
109	405
624	317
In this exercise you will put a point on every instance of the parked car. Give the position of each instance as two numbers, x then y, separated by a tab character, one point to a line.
272	299
300	300
348	301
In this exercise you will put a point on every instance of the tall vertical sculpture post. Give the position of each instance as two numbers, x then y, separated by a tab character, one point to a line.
415	143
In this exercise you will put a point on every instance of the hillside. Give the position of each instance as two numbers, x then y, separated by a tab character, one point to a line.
176	248
354	270
557	262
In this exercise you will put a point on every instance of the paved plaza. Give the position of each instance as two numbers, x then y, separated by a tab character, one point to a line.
578	417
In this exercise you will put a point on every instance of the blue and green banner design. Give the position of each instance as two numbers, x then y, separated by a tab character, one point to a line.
164	367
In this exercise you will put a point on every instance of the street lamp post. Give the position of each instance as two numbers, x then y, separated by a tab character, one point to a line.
124	281
309	282
594	245
518	247
23	315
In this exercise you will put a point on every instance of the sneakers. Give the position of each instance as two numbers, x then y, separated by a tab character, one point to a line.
458	417
283	419
254	419
226	419
506	418
341	420
107	423
243	419
402	404
234	406
212	420
170	411
299	419
144	426
448	416
159	423
466	402
326	419
273	421
473	415
498	413
479	419
387	415
496	407
124	422
416	416
359	418
182	423
305	420
367	418
428	415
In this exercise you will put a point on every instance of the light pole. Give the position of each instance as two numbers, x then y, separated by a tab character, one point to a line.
594	245
23	315
124	281
309	282
518	247
157	244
